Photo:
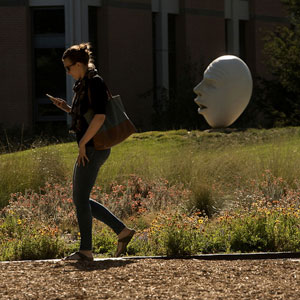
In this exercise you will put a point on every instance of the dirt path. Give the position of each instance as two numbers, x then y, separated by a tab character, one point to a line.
151	279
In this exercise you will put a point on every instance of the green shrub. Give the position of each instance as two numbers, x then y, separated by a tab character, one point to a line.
262	215
279	97
257	232
104	241
21	240
174	233
202	200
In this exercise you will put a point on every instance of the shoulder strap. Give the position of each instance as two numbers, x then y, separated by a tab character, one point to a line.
107	91
89	95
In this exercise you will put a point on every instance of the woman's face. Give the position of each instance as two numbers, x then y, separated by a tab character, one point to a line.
73	69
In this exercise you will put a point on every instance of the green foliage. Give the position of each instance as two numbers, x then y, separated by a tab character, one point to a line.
202	200
29	170
179	242
262	216
23	240
193	192
104	241
268	231
293	6
195	159
280	97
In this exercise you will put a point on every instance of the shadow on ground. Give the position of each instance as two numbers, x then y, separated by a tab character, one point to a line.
94	265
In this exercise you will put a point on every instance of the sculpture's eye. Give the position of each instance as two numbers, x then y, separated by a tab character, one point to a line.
210	84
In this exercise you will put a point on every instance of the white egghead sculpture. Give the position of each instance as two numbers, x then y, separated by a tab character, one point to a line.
225	91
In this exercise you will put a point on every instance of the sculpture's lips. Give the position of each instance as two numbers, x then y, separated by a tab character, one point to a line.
201	106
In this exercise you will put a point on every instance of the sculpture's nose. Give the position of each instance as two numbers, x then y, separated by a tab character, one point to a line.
197	89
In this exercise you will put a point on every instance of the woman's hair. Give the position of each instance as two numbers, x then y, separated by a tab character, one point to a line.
80	53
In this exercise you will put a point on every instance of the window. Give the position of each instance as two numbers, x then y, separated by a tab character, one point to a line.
164	57
154	56
234	40
236	23
172	52
227	24
242	40
49	73
93	30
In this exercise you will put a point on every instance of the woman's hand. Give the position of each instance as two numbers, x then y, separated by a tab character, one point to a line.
60	103
82	155
94	126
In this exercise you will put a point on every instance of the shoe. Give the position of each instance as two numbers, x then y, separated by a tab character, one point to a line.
123	242
78	256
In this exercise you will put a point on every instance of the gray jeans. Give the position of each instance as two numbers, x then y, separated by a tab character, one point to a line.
84	178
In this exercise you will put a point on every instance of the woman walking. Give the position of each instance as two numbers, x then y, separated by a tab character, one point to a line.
90	93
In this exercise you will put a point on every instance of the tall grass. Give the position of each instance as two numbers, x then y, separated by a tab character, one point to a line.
199	160
202	165
29	169
184	192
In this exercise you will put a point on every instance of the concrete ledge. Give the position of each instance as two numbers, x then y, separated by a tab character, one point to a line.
227	256
230	256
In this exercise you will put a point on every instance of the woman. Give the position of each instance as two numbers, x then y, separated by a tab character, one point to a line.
90	93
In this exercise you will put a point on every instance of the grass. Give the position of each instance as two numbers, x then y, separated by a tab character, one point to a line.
192	158
29	170
161	183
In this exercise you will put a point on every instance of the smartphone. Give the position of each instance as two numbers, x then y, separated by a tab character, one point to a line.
54	99
51	97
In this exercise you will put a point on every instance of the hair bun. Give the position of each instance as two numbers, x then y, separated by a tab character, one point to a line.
85	46
80	53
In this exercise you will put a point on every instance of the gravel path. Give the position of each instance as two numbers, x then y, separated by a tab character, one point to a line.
151	279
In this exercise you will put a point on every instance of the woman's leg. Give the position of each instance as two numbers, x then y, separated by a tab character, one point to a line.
84	178
101	213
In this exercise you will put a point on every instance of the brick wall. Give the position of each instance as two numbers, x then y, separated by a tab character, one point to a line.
201	32
125	52
16	107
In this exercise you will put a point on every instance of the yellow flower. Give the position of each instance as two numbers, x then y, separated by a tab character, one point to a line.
19	222
200	221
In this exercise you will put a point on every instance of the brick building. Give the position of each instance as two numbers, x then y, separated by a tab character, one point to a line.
139	45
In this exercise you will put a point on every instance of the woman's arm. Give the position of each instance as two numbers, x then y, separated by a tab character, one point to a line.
60	103
93	128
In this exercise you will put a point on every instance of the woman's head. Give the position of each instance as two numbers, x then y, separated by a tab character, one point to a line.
77	59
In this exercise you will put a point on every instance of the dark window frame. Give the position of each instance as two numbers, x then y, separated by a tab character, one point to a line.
54	41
